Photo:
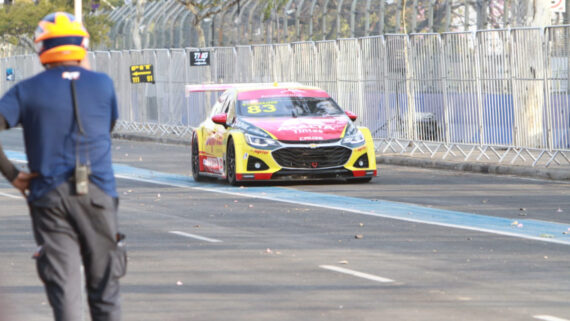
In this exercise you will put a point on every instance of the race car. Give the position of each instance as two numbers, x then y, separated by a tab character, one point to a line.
262	132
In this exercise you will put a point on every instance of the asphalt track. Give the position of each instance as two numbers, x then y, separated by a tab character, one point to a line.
414	244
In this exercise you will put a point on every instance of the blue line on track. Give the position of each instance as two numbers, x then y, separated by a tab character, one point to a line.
530	229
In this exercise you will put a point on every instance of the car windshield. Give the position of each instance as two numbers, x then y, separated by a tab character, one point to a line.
288	106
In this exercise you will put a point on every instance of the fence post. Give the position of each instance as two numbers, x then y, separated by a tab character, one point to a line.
479	88
547	92
411	125
359	84
514	86
337	66
443	70
386	92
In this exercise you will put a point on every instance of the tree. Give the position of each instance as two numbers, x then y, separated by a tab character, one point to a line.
532	93
139	13
202	9
19	21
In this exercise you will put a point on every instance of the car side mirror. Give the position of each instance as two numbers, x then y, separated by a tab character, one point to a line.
351	115
220	119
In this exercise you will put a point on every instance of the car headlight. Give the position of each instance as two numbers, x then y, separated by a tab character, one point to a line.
354	140
261	142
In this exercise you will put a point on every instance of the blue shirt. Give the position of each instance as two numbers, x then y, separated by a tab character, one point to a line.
43	106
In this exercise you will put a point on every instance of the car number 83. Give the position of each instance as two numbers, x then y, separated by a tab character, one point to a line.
256	109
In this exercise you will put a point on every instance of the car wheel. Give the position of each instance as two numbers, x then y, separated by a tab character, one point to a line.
196	160
231	163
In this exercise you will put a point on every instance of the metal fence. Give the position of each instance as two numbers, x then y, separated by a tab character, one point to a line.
500	94
168	24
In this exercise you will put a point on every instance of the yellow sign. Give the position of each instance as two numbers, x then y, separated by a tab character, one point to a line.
142	73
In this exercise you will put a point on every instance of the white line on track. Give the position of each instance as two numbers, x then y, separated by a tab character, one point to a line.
356	273
11	196
194	236
548	318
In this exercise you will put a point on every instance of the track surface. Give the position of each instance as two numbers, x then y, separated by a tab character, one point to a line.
290	251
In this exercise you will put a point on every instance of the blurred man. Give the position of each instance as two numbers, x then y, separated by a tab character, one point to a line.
67	113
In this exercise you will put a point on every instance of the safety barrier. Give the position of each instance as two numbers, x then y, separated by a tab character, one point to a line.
494	94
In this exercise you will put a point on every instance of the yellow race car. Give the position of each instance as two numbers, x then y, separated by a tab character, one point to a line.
259	132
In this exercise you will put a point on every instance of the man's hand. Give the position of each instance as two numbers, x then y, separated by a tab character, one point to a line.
22	181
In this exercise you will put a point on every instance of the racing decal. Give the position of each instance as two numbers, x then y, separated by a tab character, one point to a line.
212	164
249	128
282	92
212	141
310	138
257	176
303	129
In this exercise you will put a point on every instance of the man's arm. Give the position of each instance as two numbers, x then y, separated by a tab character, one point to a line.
6	166
20	180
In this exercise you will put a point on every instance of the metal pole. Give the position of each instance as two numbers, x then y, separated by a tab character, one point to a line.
567	14
324	24
381	15
447	14
398	18
385	85
298	10
338	13
277	22
286	17
311	19
352	17
250	22
506	18
183	29
546	54
367	26
240	24
430	15
480	104
78	10
466	8
443	70
415	16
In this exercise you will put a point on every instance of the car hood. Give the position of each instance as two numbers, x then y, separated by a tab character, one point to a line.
303	128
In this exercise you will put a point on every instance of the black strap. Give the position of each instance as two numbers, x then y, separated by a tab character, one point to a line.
75	108
79	126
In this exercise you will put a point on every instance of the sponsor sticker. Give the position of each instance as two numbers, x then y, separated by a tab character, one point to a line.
199	58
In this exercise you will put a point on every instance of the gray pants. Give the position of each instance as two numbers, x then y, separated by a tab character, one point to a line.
71	230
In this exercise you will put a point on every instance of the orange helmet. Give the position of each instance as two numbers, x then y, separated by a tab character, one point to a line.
60	37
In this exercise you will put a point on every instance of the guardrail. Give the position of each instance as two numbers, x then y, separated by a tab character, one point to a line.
502	95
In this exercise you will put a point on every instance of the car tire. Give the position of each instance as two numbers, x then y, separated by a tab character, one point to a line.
231	163
196	160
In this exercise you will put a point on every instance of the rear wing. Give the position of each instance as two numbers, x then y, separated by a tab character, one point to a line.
188	89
